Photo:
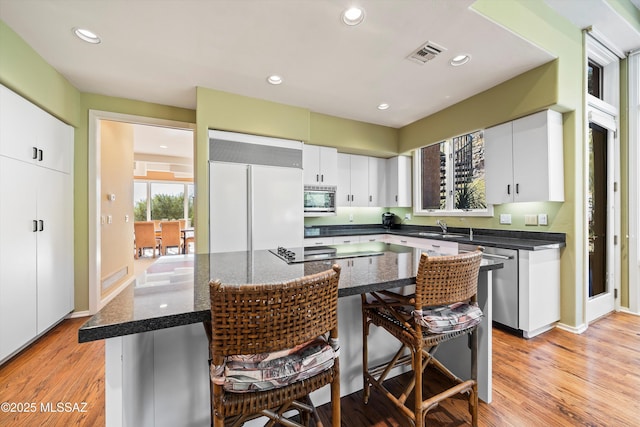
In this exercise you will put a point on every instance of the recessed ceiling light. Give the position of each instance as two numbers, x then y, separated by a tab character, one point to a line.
383	106
86	35
164	146
274	79
459	60
353	16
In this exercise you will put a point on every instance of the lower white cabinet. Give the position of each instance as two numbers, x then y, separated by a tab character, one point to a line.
318	241
36	247
538	290
442	247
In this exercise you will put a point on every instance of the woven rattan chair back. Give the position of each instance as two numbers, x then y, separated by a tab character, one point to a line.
249	319
259	318
447	279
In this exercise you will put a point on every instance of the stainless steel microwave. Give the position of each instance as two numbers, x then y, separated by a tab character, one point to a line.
319	200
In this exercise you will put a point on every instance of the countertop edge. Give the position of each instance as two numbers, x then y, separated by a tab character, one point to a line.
478	238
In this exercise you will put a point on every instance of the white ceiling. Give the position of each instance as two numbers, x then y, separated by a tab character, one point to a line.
160	51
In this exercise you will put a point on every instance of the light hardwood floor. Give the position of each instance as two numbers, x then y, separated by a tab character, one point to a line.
556	379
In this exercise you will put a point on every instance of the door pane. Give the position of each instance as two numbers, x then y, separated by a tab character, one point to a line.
140	201
434	176
597	210
469	188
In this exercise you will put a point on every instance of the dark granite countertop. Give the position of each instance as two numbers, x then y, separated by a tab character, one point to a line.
525	240
174	290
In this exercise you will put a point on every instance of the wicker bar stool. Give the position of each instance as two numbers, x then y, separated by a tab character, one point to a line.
442	308
271	345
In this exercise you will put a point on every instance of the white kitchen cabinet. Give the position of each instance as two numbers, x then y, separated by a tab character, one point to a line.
353	180
524	160
377	182
538	290
346	240
36	224
29	134
372	238
399	181
442	247
318	241
320	165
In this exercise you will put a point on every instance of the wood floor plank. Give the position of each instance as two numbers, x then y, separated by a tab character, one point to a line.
555	379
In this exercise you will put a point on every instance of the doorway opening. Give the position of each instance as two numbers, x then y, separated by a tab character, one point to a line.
102	198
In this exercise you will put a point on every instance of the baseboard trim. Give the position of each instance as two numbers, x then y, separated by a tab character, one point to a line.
76	314
573	329
626	310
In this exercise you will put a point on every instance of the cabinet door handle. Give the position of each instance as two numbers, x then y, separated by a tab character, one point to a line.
317	177
517	188
41	222
370	198
508	188
396	197
352	197
39	155
321	177
34	156
35	226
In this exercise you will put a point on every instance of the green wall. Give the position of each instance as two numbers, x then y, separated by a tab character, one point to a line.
352	136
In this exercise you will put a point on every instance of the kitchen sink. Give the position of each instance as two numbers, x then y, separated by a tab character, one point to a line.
451	236
439	235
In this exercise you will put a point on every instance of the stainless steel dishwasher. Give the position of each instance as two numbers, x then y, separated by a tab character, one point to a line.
505	285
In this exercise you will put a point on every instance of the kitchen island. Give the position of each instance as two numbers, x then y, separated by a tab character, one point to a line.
157	351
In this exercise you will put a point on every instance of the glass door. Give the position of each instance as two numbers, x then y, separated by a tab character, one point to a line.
601	216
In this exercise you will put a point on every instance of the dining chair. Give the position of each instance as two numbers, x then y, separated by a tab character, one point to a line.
145	237
170	235
270	346
444	307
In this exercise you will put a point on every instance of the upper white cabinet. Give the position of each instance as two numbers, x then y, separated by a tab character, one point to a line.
36	222
399	181
40	134
377	182
524	160
320	165
353	180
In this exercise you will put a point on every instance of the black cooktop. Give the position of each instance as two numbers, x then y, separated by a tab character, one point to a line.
318	253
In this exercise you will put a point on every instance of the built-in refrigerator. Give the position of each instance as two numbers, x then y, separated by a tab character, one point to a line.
256	192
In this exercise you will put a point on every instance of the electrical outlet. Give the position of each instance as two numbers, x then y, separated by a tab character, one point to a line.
505	218
542	219
531	219
350	217
407	216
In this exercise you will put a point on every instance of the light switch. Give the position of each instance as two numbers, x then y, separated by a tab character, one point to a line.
505	218
531	219
542	219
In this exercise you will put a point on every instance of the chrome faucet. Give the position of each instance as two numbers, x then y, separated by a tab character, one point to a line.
443	226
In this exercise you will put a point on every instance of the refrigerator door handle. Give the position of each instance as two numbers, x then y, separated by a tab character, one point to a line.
249	208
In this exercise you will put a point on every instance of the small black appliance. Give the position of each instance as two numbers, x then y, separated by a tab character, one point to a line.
388	219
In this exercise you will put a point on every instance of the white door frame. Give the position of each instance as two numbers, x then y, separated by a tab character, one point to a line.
605	116
96	302
634	182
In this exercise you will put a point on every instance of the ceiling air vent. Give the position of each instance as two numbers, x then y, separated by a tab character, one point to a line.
426	53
